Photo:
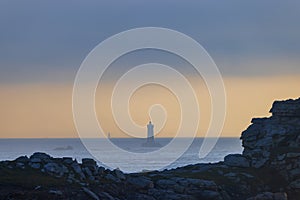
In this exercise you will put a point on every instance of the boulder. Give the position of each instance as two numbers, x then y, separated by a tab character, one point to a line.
295	184
68	160
165	183
55	192
105	195
90	193
206	194
88	173
35	160
293	154
99	171
88	162
22	159
35	165
55	169
203	184
112	178
269	196
20	165
119	174
259	162
77	169
40	155
167	194
236	160
142	196
140	182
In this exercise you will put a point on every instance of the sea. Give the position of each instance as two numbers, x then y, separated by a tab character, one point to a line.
73	147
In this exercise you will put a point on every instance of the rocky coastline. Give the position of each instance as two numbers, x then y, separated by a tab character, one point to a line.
268	169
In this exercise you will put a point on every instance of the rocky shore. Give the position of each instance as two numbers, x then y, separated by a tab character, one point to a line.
268	169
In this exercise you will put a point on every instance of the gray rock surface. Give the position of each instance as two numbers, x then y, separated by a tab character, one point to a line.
90	193
236	160
55	169
119	174
269	196
112	178
77	169
40	155
35	165
140	182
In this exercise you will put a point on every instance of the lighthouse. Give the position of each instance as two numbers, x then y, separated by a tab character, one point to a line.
150	137
150	133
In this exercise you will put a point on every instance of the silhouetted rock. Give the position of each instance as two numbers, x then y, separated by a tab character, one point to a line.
68	160
288	108
274	142
22	159
40	155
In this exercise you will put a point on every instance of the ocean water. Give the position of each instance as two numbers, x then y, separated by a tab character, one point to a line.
13	148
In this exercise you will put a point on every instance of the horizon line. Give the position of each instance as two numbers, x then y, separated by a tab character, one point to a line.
112	137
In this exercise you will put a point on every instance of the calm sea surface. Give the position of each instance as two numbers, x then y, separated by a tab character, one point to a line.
13	148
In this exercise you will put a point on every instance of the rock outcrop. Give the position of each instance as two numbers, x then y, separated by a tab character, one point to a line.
268	169
275	142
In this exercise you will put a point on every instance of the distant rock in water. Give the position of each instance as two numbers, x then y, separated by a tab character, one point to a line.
63	148
151	144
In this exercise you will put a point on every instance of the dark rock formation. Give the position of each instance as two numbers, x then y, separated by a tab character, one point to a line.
268	169
275	142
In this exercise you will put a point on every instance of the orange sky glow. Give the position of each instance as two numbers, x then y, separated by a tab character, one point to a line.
45	111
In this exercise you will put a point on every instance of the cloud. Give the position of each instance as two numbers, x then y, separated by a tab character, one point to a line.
39	40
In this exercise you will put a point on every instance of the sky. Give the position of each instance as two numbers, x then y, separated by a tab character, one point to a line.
255	44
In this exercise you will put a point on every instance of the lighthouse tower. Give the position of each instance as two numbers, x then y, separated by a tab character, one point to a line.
150	137
150	133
